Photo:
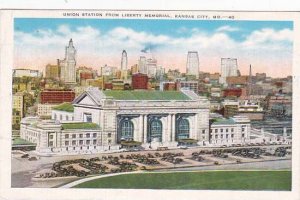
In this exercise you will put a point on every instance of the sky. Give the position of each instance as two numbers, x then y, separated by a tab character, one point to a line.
266	45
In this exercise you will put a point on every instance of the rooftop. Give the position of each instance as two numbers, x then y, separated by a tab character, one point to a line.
80	125
224	121
146	95
20	141
67	107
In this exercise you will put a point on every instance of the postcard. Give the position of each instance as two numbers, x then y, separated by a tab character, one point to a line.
116	104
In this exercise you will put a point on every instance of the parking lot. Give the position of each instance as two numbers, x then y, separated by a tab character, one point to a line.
58	170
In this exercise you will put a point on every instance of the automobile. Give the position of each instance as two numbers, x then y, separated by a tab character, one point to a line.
124	150
238	145
162	148
223	146
183	147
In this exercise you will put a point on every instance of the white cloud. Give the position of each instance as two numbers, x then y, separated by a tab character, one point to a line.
269	38
227	29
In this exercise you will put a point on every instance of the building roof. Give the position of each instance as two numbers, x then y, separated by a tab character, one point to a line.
224	121
80	125
67	107
20	141
146	95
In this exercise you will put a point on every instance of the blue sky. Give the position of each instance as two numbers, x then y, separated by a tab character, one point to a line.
166	27
264	44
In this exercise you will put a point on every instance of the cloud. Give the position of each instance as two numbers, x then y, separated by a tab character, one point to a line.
227	29
268	38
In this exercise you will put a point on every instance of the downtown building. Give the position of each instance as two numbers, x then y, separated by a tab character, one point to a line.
68	65
107	120
192	63
229	68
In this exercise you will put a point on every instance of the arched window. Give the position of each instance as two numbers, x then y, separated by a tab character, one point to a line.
183	129
127	130
156	130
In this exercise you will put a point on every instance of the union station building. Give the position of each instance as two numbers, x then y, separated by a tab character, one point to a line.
109	120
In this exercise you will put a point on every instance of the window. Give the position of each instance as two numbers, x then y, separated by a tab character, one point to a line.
80	142
216	136
66	143
88	142
73	135
51	137
88	135
80	135
51	144
73	148
210	130
232	129
203	131
126	130
109	135
156	130
109	142
232	135
221	136
94	135
243	129
87	117
243	135
60	117
216	130
55	116
221	130
226	130
94	141
67	118
183	129
74	142
67	136
226	135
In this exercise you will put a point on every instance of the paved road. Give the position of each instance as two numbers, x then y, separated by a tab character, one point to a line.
266	165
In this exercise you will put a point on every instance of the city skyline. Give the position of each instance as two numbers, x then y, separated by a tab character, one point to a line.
266	45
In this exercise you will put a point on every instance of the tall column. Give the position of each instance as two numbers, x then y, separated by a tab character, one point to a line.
141	131
173	128
196	131
145	128
169	127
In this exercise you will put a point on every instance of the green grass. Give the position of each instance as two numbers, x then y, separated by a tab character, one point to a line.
80	125
68	107
211	180
146	95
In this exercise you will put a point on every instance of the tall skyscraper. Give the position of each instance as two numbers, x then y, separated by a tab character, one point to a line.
124	60
192	64
250	82
229	67
142	65
68	64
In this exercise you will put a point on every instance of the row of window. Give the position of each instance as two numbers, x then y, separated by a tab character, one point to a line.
227	136
221	130
87	135
61	117
80	142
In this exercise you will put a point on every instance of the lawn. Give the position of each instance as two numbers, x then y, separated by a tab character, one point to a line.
211	180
